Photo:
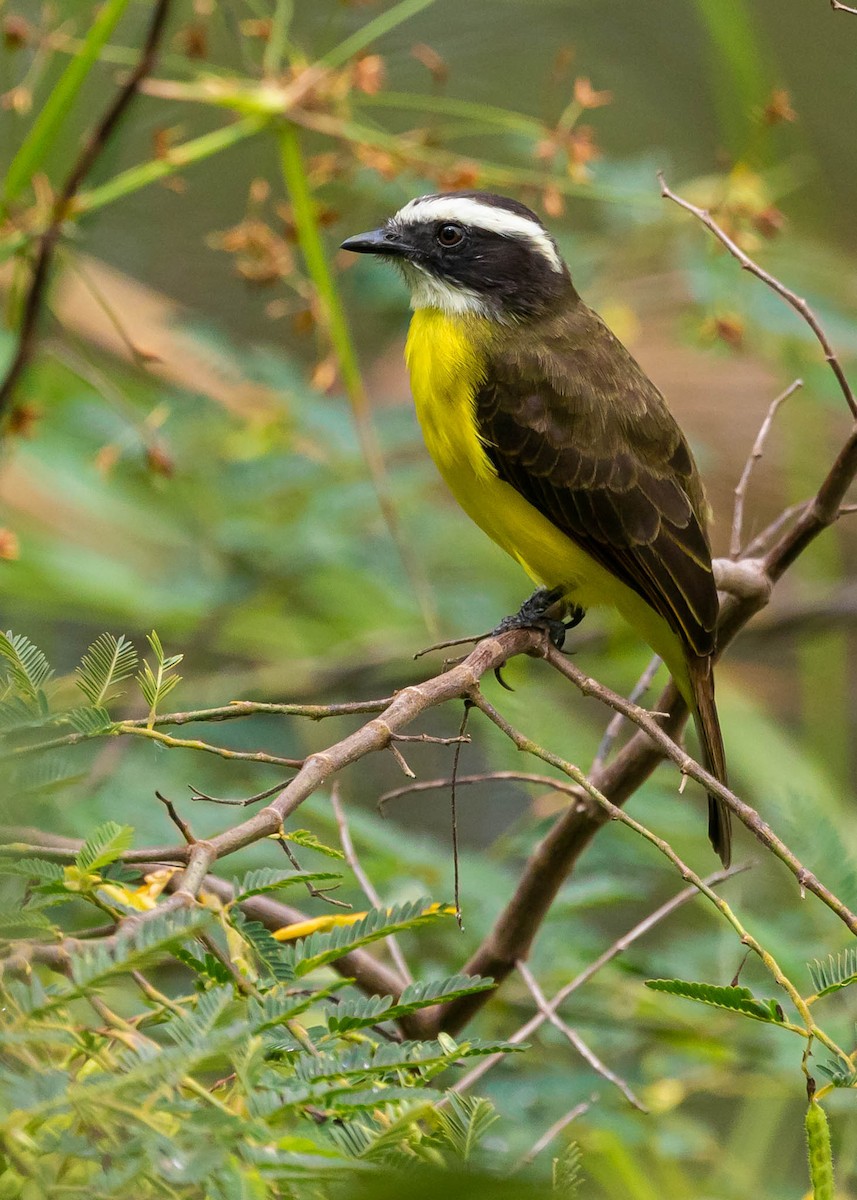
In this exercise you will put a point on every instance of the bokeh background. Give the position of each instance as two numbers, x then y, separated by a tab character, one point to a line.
186	458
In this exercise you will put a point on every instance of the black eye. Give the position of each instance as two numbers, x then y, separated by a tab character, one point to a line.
450	235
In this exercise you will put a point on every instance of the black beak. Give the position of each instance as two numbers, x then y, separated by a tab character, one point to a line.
378	241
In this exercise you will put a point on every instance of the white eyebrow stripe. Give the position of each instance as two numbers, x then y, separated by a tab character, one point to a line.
484	216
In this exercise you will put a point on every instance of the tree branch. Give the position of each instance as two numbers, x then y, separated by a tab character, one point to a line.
797	302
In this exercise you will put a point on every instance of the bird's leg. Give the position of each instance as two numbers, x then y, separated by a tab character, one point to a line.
534	614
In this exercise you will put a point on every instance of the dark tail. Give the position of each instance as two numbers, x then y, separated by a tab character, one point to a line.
713	753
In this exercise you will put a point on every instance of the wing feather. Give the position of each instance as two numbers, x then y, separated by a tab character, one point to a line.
587	439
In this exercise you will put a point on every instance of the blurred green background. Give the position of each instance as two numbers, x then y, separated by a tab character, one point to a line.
186	459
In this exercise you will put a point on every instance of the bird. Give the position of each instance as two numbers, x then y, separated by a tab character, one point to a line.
553	439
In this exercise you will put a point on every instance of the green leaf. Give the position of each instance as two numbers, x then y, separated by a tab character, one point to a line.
303	837
145	942
266	879
209	966
833	973
368	1010
567	1176
32	868
464	1123
28	668
280	1004
276	958
319	948
107	662
157	684
104	846
25	923
87	720
736	999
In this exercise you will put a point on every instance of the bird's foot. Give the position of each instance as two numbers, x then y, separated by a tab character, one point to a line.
542	610
535	613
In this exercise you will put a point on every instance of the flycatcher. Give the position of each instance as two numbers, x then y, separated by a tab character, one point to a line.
553	440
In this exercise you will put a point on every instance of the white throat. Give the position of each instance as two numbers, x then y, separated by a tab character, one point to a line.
427	291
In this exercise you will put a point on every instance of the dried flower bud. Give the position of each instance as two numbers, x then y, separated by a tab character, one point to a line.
779	108
15	31
586	96
10	547
159	461
369	74
23	420
432	61
769	222
552	201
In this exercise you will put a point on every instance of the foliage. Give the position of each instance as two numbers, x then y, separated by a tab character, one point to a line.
214	471
243	1095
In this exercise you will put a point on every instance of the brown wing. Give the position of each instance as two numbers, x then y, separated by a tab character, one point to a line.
578	430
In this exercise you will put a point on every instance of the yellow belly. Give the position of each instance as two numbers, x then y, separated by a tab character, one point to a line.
446	360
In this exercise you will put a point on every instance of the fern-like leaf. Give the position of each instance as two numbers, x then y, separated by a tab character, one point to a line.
107	663
38	870
87	720
27	667
144	943
368	1010
103	846
308	840
735	999
320	948
464	1123
276	958
567	1174
280	1005
157	684
833	973
266	879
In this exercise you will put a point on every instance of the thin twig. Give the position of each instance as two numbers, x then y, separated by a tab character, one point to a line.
797	302
755	454
400	759
182	826
689	767
838	6
810	1030
174	743
92	149
618	947
429	739
345	840
556	1129
574	1038
244	802
461	641
316	893
436	785
453	814
614	727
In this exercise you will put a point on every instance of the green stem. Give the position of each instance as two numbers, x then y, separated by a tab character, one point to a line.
47	126
135	178
321	276
383	23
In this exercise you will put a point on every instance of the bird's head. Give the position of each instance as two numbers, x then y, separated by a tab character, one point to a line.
472	252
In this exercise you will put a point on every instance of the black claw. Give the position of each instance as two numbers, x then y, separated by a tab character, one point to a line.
533	615
502	682
574	617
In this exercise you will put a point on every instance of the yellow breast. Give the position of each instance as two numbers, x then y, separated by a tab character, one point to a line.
446	357
446	362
